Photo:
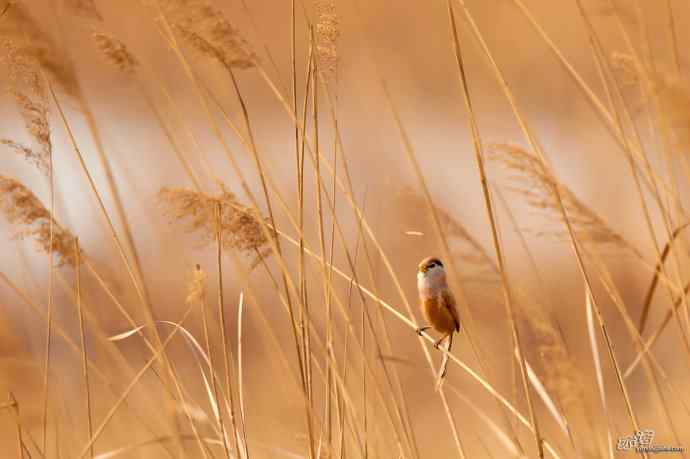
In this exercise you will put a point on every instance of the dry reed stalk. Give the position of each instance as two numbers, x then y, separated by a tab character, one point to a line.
561	376
420	178
602	64
479	158
133	270
14	406
240	380
196	294
218	212
347	191
639	72
82	338
529	136
157	355
647	85
288	285
348	194
636	150
322	243
412	325
394	382
650	362
102	377
352	268
359	216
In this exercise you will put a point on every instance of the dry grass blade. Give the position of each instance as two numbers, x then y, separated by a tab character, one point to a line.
503	437
652	286
157	355
591	329
546	398
498	248
240	374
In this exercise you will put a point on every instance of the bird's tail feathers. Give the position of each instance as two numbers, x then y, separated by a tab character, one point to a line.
444	364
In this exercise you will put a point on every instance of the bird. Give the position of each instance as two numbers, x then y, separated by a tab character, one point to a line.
438	305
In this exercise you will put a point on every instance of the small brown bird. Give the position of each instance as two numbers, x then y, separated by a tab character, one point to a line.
437	303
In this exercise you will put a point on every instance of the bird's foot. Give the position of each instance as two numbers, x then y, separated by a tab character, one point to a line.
437	344
422	329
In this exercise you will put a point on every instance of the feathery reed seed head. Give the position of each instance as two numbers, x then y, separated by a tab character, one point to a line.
206	29
84	8
240	226
115	52
327	32
531	180
28	89
23	209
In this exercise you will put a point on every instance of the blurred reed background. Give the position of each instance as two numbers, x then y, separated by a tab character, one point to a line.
212	214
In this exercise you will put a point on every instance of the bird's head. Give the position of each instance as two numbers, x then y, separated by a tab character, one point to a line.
431	271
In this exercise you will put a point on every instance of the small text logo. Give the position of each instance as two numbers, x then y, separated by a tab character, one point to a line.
642	441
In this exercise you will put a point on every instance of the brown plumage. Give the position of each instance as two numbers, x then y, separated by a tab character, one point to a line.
441	314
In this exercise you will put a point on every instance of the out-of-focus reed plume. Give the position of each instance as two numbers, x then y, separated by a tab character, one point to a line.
327	32
241	227
28	88
206	29
84	8
196	286
115	52
23	209
20	27
529	179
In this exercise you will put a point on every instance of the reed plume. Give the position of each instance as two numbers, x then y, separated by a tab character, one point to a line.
327	33
19	27
196	286
115	52
207	30
28	89
531	180
241	227
84	8
23	209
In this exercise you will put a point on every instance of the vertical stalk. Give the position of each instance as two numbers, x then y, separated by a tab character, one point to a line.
221	314
82	337
507	297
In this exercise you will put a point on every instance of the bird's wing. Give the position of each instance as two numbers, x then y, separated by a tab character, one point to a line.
449	303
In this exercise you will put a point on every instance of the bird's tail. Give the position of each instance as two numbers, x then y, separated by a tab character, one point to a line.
444	364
